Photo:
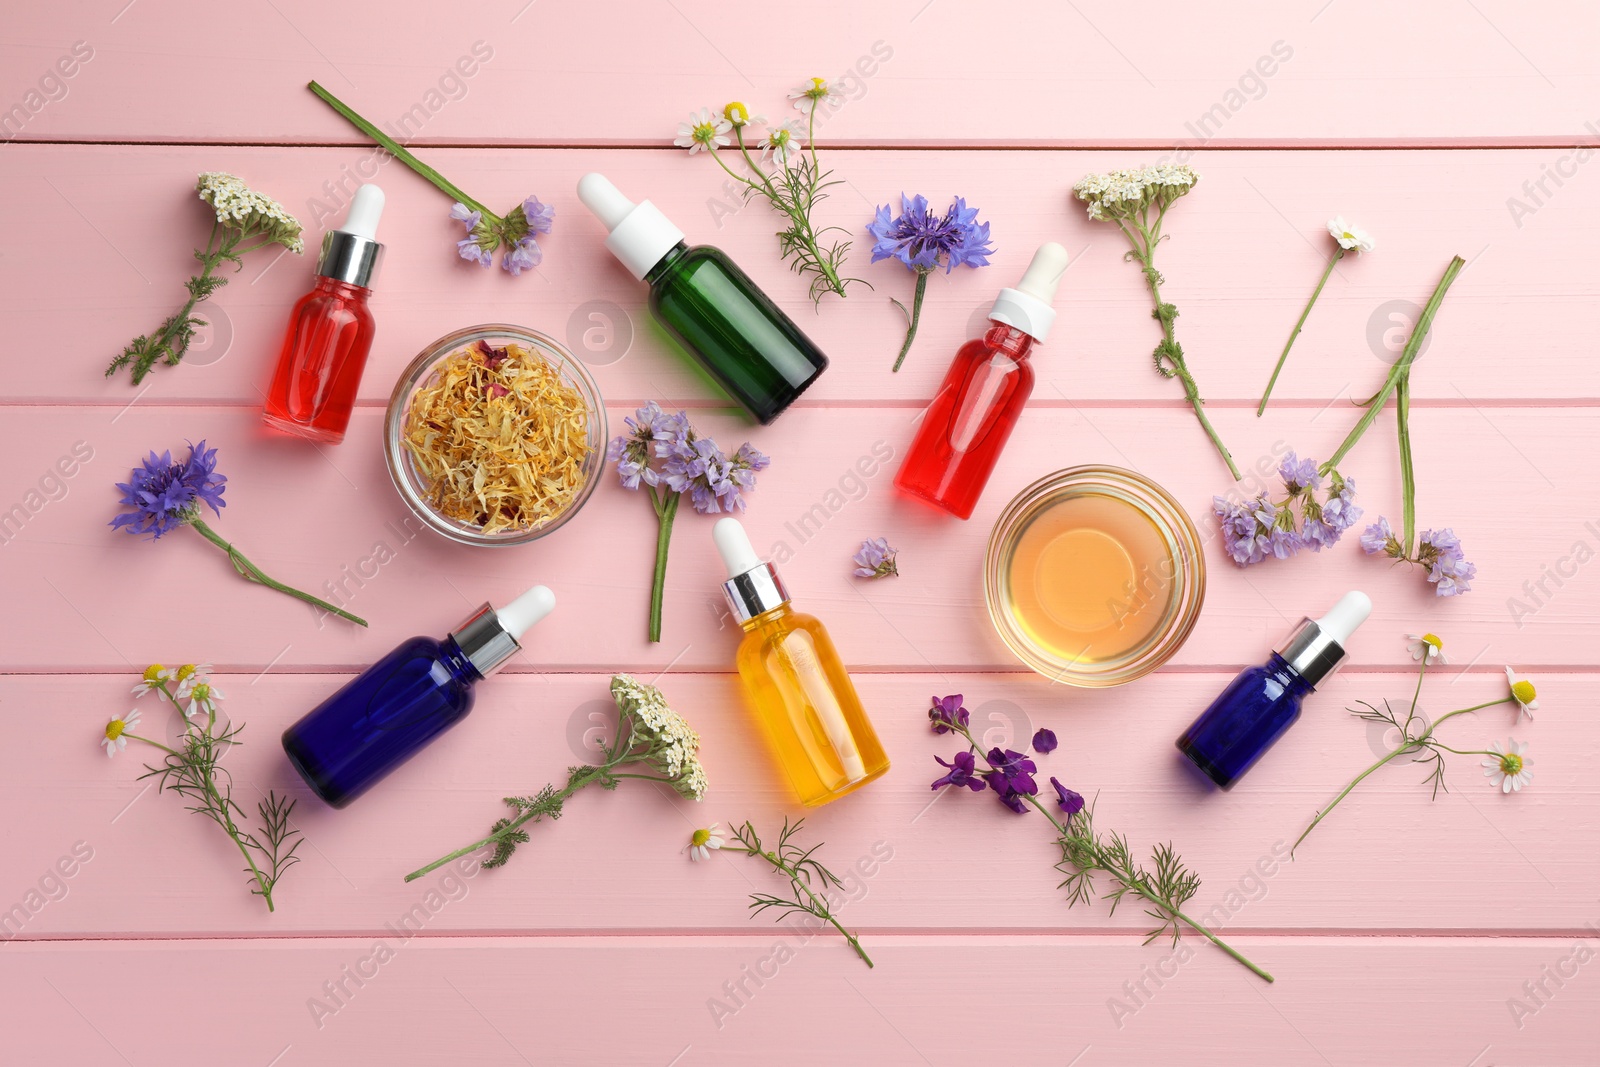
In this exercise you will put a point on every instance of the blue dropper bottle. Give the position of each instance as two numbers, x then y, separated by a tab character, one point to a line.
386	714
1262	702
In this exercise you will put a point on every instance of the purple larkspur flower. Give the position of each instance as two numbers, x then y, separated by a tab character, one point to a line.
875	559
947	713
1379	537
925	241
961	772
1044	741
1440	551
164	494
1071	802
1010	775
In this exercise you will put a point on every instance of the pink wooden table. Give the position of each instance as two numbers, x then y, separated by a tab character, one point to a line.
1402	937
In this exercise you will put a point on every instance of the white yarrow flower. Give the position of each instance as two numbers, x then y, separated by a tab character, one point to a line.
240	207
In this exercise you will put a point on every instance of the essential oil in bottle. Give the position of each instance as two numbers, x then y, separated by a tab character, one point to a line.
1262	702
733	329
962	432
330	331
386	714
794	681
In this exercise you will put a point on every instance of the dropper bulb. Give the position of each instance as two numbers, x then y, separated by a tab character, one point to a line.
604	199
365	209
1343	618
518	616
1043	276
734	545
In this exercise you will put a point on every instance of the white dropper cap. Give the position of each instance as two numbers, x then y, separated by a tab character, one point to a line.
366	207
1343	618
640	234
517	616
734	544
1028	307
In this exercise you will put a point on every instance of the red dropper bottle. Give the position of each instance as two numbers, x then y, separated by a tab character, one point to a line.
330	331
969	421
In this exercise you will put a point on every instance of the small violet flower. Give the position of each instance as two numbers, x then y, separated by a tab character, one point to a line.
1071	802
1261	528
961	772
1010	775
947	714
924	242
517	232
1439	552
875	559
1044	741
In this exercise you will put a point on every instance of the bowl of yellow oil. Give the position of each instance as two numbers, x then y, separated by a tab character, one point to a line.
1094	576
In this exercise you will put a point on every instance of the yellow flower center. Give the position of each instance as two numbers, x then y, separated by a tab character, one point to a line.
699	838
202	692
1523	690
819	88
1511	764
736	113
153	673
114	729
704	132
1433	641
779	138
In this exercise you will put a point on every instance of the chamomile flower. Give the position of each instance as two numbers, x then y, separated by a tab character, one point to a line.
783	142
1523	692
1350	239
704	842
202	698
1428	646
1507	768
738	114
115	738
188	676
154	680
703	132
814	92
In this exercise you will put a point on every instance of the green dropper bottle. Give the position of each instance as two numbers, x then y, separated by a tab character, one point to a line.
734	330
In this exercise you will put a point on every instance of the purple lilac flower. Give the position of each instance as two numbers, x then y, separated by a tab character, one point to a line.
1379	537
1071	802
962	772
1044	742
924	241
164	494
947	713
875	559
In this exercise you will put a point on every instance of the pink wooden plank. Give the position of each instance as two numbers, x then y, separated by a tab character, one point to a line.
1474	860
1424	1001
1072	76
317	517
1245	252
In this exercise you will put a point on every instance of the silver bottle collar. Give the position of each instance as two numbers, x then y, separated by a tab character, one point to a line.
350	258
1311	652
485	641
755	592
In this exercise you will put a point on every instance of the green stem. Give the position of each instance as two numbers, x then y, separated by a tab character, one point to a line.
396	149
1408	477
1180	368
666	512
254	573
818	907
1338	253
1402	366
801	220
913	317
585	776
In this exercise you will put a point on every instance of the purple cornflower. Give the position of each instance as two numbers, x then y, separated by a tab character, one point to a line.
875	559
1261	528
962	772
1071	802
948	714
924	242
164	494
1044	742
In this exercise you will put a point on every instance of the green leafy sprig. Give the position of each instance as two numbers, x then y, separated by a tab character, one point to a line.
809	880
649	734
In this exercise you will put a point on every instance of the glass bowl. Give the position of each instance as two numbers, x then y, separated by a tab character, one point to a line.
1094	576
402	469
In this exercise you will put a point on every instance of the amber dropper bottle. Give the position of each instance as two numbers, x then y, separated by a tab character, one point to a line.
795	682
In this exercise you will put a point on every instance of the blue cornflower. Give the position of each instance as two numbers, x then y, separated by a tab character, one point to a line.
165	494
925	242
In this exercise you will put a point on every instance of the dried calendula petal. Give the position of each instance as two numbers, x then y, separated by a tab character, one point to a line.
499	438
